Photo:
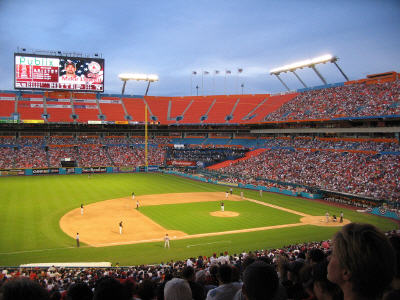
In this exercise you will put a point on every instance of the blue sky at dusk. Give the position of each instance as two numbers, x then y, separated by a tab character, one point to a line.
174	38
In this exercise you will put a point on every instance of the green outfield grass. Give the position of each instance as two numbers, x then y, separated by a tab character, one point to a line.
31	207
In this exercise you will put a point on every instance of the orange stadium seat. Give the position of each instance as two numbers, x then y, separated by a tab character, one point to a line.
112	108
221	109
135	108
245	105
271	105
59	110
198	109
7	104
30	107
159	108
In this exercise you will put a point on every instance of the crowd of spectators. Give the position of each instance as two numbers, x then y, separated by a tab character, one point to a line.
60	140
7	158
56	154
312	270
7	140
376	176
207	155
29	141
316	143
356	100
31	157
93	156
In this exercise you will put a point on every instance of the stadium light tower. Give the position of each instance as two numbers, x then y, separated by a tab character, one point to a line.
308	63
138	77
141	77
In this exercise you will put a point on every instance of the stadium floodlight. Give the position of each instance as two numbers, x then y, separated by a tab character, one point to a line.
138	77
304	63
308	63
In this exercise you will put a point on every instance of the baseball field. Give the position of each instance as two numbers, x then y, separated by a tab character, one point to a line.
41	216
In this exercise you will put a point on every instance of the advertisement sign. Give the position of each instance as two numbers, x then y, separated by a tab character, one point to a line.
12	172
45	171
183	163
47	72
94	170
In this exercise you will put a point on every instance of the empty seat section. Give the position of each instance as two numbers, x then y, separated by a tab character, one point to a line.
7	104
198	109
217	141
135	108
245	142
30	107
159	108
221	109
85	107
112	108
188	141
246	104
178	106
59	110
272	104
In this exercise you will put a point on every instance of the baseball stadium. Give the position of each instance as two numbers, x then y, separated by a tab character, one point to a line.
141	187
181	157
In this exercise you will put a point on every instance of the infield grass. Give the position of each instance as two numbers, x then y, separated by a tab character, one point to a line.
193	218
31	207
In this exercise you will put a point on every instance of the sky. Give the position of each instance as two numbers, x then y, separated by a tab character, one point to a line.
173	38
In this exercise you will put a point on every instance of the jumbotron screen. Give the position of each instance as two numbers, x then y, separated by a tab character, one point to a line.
47	72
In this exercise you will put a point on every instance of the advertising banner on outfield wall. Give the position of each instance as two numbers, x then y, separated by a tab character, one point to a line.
45	171
182	163
124	169
12	172
94	170
70	170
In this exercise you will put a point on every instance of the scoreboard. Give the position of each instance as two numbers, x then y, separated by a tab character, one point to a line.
47	72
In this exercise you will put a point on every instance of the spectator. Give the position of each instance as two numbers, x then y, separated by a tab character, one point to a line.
23	289
226	289
79	291
361	263
177	289
260	282
198	292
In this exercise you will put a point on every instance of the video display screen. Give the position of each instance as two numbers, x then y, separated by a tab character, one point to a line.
46	72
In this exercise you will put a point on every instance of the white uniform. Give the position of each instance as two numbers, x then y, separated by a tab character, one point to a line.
166	241
327	217
260	193
241	195
81	209
226	195
120	227
222	206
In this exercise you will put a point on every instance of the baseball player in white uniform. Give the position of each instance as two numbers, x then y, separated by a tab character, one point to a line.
120	227
166	241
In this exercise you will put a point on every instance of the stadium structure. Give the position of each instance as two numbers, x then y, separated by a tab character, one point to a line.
334	144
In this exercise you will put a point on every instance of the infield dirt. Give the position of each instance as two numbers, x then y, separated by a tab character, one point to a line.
98	226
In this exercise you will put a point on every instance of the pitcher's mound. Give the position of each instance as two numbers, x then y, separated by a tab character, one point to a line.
224	214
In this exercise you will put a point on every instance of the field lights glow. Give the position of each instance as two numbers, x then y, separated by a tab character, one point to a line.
144	77
303	63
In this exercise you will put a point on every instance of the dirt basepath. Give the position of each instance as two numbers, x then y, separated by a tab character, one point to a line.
98	226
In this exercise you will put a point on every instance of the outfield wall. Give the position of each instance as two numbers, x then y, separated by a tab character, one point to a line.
66	171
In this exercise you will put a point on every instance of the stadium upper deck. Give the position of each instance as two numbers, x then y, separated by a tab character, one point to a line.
361	99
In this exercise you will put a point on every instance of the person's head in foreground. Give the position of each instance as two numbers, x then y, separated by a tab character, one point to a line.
260	281
177	289
362	262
